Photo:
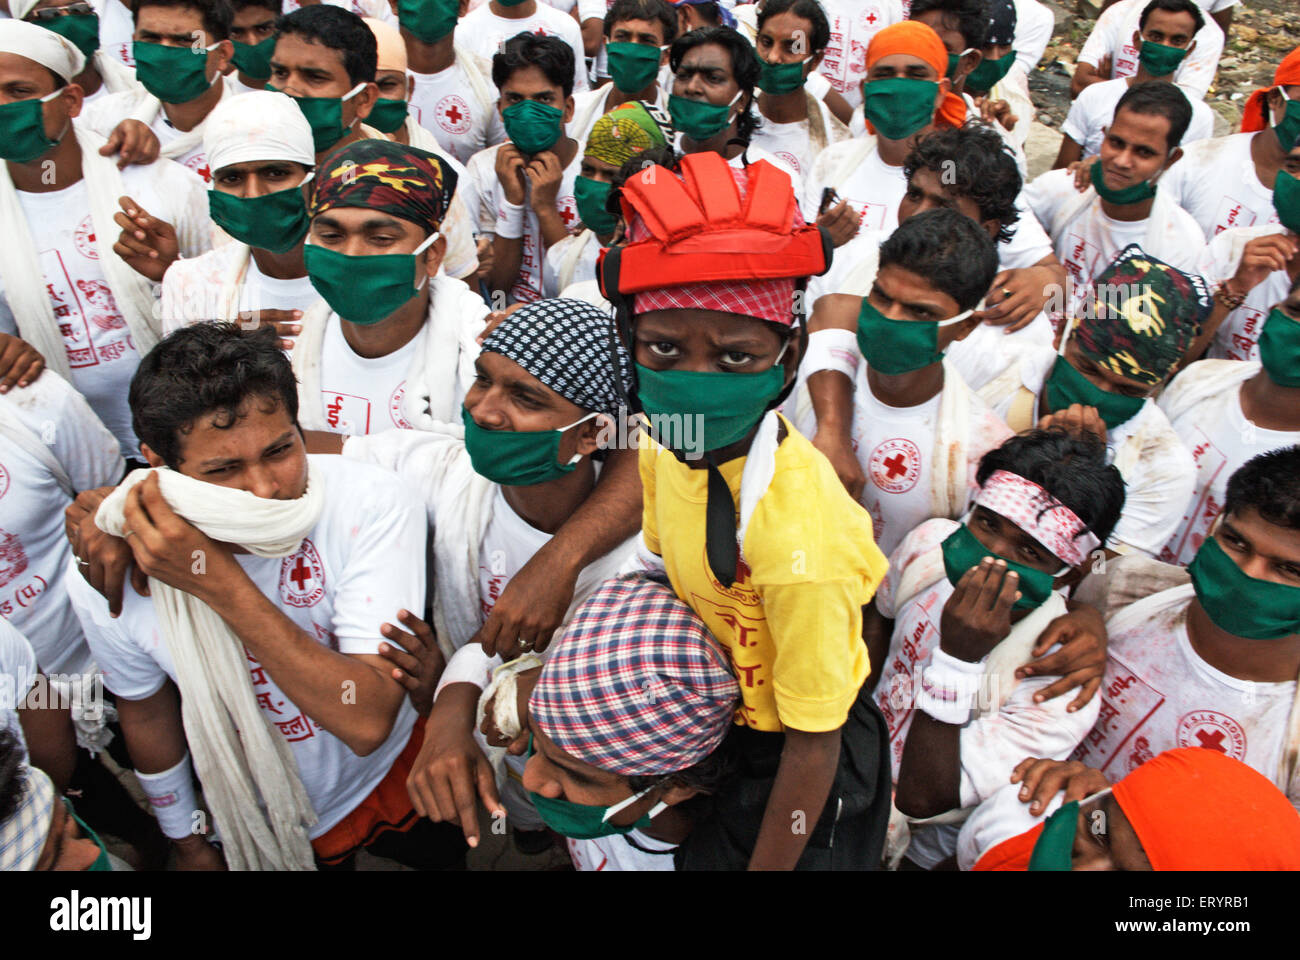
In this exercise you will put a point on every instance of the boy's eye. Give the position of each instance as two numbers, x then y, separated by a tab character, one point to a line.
735	358
662	348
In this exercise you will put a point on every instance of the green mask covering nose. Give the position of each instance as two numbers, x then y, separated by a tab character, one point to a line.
632	66
532	126
81	28
1279	348
899	106
962	550
1239	603
518	458
274	221
364	289
22	129
987	74
778	78
1159	59
900	346
254	59
1054	849
699	119
325	116
428	20
1066	386
590	197
388	115
1286	200
582	821
1134	194
172	74
1288	130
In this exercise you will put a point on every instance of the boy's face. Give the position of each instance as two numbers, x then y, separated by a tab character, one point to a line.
1004	539
596	169
531	83
555	774
252	25
649	32
261	452
359	232
256	178
1100	376
306	68
926	191
1171	28
1135	149
1261	549
903	295
787	38
707	341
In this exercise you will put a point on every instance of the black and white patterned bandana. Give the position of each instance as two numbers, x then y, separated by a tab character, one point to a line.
1002	22
566	345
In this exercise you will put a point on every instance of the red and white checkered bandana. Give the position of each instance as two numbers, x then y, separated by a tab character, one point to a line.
771	300
636	685
1039	514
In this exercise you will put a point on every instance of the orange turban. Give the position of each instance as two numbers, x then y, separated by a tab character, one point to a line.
1198	809
1254	115
918	39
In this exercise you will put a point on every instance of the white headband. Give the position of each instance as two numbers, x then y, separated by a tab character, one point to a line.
257	126
42	46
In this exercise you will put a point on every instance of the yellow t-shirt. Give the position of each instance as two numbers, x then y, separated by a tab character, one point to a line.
792	622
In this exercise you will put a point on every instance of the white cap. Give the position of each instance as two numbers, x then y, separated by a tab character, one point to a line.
257	126
42	46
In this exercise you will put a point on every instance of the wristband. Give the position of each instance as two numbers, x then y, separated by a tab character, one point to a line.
946	688
510	220
469	664
832	349
172	798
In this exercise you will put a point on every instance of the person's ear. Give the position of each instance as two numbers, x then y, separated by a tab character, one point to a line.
221	56
945	88
73	98
150	457
969	61
593	434
790	359
433	256
992	228
965	328
815	62
1137	39
410	87
462	9
1070	579
1173	158
678	794
364	101
568	109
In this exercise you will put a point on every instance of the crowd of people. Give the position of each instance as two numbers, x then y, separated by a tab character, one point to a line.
678	434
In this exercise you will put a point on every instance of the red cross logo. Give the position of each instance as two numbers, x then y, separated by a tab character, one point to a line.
871	17
1211	741
453	114
895	466
301	574
566	215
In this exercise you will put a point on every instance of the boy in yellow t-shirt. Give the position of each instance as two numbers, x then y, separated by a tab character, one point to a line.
749	521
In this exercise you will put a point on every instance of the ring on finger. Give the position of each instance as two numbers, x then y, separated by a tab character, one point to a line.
126	534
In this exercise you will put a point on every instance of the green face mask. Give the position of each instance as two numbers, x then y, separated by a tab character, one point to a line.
962	550
582	821
1054	849
1237	602
1066	385
899	106
387	115
1286	200
172	74
590	196
325	116
899	346
699	119
532	126
22	130
986	76
632	66
727	405
364	289
778	78
1134	194
517	458
429	20
274	221
1289	129
1160	60
81	28
254	59
1279	348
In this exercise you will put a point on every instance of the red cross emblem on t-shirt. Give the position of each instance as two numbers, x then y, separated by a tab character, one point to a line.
895	466
301	574
566	215
453	114
1211	740
871	17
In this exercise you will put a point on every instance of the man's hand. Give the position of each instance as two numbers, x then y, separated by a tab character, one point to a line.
1017	297
104	560
528	611
450	769
838	449
544	173
1076	419
494	320
1081	661
20	363
147	244
1105	66
517	744
286	323
1262	256
133	141
510	172
978	614
1044	779
169	548
486	253
195	853
997	111
841	221
1082	170
419	667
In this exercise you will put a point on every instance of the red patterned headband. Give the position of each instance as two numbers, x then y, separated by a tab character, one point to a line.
1039	514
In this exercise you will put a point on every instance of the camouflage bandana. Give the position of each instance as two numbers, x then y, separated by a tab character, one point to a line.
1145	316
627	130
403	181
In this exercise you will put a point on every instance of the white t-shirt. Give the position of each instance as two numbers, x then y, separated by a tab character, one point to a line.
1034	25
360	564
1113	35
1094	109
873	187
629	851
1158	694
483	32
792	143
452	108
100	350
192	290
364	394
1238	336
573	258
378	9
17	674
1215	181
853	23
34	550
1220	439
116	27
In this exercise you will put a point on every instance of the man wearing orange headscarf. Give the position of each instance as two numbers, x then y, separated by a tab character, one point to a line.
1187	809
906	95
1228	181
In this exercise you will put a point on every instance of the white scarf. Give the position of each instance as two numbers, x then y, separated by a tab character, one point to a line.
24	281
1202	380
438	370
239	756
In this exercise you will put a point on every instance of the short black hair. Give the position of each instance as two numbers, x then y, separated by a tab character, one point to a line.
972	18
275	6
340	30
1071	467
1269	482
649	10
710	12
947	249
810	10
977	163
217	15
551	55
13	773
1172	6
744	66
204	368
1157	99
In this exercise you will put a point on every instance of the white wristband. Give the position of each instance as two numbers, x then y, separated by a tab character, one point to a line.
469	664
510	220
172	798
946	687
832	349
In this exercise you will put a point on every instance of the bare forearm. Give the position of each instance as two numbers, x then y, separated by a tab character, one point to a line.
551	224
1069	152
1210	327
803	782
609	515
154	731
831	393
593	30
507	254
877	631
51	740
929	777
